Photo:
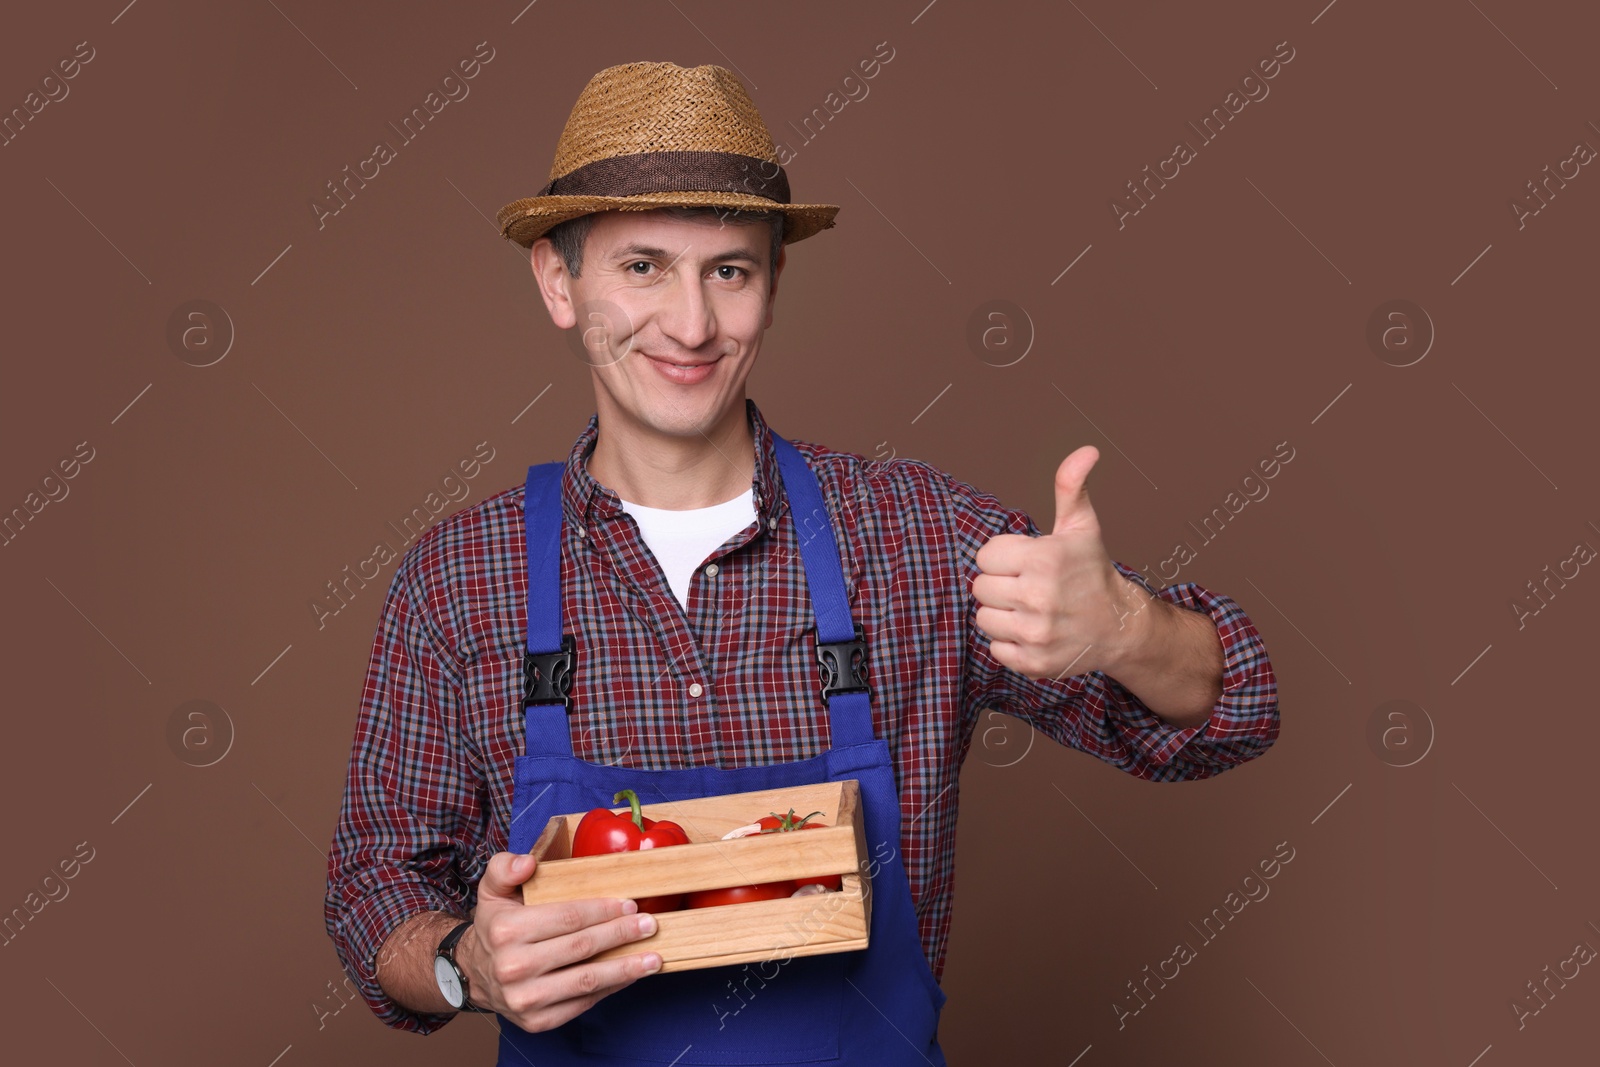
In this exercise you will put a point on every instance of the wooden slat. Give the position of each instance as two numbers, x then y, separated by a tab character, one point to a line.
708	818
707	865
754	931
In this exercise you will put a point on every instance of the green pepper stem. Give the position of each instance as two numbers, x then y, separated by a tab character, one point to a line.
633	803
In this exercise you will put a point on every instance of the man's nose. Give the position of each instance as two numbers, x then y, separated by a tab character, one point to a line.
686	315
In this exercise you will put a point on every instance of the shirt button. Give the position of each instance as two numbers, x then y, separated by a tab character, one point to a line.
582	532
711	570
772	523
695	689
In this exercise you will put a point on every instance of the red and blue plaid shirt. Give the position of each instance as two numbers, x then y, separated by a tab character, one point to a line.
731	681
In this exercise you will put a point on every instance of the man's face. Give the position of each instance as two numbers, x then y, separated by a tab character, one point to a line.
670	313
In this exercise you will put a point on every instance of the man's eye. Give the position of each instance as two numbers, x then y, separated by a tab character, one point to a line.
638	263
738	272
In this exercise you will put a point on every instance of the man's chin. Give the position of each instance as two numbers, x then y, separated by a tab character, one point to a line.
694	418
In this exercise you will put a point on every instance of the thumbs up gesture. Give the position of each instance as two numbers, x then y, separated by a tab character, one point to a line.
1056	603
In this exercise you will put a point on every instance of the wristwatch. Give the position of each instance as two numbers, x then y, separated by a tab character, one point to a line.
452	982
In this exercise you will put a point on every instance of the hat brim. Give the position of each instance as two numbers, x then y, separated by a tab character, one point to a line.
525	221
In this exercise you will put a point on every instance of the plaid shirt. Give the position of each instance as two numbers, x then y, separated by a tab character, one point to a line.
732	681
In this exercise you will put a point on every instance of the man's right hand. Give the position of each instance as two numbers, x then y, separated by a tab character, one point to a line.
525	960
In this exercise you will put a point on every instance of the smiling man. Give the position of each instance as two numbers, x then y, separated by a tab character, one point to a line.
690	604
672	311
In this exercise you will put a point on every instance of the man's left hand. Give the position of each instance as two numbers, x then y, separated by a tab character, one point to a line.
1056	602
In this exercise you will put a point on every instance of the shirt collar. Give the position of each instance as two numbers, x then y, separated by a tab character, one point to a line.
585	500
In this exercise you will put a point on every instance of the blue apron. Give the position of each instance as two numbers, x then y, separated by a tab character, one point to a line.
879	1005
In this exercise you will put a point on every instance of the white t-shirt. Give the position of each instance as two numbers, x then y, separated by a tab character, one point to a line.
681	540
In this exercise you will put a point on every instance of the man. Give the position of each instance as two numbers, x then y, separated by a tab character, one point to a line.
703	565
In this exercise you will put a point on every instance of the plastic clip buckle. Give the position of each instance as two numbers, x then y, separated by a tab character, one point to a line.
547	676
844	665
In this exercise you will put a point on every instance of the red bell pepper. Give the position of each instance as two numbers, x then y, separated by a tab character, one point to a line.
603	831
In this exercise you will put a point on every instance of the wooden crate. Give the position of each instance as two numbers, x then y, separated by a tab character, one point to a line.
731	933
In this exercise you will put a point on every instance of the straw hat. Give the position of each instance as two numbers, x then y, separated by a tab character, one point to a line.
649	135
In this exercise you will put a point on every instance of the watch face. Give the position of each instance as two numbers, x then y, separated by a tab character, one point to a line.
449	984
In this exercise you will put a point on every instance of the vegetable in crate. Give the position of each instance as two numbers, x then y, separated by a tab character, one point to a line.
602	831
775	823
739	894
770	824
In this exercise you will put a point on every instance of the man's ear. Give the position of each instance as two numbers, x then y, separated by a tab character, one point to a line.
550	272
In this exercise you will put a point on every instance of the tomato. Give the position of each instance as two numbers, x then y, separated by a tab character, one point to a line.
771	824
778	824
601	831
739	894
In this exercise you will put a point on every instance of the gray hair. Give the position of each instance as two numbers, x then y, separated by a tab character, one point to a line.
569	236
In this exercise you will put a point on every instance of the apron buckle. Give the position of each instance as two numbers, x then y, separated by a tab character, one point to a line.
547	676
844	665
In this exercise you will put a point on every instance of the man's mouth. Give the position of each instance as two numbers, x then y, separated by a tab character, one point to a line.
687	372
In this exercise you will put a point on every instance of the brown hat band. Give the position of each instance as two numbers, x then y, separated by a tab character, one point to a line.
653	172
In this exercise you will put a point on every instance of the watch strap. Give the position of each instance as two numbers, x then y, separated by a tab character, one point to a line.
447	950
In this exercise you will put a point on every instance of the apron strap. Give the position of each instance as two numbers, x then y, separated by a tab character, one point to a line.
547	660
843	664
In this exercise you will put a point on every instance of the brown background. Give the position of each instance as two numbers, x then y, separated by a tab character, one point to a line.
1224	318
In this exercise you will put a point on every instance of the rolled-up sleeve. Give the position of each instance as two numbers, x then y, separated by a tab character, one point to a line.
412	812
1093	712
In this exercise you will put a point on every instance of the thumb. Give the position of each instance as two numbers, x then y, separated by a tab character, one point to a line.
1072	495
502	879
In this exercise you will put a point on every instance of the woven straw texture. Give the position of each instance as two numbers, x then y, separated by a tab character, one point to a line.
658	107
661	107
